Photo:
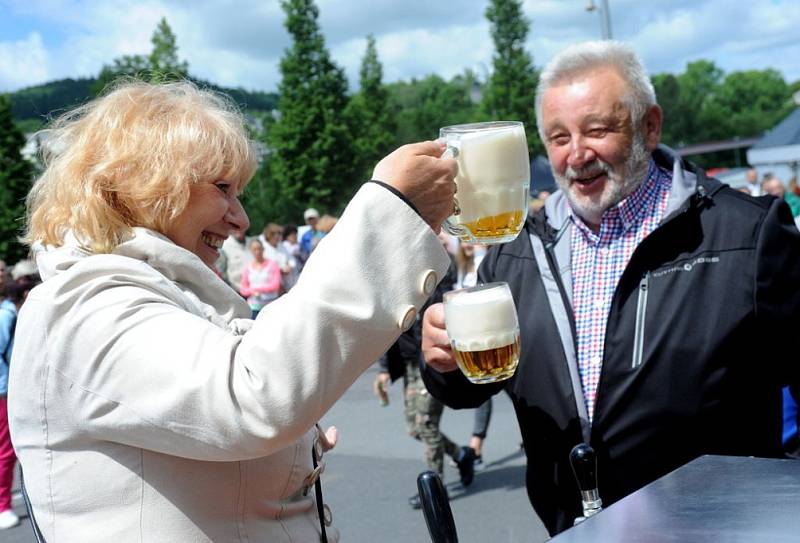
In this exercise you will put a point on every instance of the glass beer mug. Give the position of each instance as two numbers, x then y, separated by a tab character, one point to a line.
494	172
482	326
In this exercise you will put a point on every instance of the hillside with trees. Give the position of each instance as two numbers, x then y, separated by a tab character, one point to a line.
33	106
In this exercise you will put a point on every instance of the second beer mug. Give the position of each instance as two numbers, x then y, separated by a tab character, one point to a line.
483	330
494	174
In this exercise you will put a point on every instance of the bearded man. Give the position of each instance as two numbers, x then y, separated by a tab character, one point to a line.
642	288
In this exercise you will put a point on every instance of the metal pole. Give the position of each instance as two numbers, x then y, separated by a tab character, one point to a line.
605	18
606	15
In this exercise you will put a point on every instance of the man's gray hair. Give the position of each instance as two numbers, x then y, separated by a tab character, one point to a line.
583	57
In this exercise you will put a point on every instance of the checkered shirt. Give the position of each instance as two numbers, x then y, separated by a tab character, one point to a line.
598	260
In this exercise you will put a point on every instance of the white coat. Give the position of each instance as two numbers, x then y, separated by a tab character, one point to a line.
146	406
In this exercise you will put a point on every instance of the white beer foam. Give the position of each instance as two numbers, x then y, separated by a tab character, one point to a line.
484	317
486	342
493	172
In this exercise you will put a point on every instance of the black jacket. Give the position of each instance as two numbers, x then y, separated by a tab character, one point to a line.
692	363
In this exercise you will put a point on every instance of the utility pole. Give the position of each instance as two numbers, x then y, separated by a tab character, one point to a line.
605	17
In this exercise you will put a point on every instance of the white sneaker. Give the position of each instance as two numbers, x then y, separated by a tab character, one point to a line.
8	519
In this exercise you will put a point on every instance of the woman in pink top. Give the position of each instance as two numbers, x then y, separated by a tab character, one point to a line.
261	279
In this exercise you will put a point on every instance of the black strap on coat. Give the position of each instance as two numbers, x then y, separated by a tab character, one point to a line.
318	493
36	531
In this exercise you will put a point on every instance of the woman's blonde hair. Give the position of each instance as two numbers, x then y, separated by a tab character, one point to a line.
128	159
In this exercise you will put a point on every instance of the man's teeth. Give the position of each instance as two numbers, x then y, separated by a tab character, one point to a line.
212	240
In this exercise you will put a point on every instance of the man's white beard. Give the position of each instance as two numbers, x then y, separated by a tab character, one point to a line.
618	187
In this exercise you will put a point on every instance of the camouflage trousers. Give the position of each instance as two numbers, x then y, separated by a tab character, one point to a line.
423	413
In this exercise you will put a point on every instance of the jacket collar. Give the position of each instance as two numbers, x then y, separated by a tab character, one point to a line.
212	297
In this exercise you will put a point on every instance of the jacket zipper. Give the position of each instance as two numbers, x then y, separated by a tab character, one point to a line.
641	311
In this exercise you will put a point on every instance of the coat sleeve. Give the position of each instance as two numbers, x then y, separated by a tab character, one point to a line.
777	288
133	367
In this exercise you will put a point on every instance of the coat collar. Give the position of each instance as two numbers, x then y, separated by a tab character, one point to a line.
211	296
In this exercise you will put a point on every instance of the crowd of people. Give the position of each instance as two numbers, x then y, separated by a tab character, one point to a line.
168	373
263	267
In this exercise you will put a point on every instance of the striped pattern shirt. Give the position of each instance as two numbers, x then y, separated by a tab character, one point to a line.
598	260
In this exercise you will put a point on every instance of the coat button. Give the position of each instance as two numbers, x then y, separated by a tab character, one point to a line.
408	319
327	515
429	281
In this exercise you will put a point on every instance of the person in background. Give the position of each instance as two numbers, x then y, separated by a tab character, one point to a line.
774	186
261	279
639	288
24	268
324	227
15	293
145	404
271	238
291	248
311	236
752	186
237	255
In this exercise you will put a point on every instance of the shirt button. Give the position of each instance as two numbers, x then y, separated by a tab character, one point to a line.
599	303
429	281
408	319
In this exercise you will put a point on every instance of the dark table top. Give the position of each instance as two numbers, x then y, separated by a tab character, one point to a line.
714	499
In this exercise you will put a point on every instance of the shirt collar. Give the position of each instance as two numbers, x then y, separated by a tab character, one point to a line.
627	213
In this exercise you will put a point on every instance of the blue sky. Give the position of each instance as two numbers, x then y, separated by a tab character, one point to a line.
240	42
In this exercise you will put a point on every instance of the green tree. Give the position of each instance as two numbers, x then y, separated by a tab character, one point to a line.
161	65
371	120
704	104
15	182
312	160
668	97
423	106
509	94
698	120
753	101
164	62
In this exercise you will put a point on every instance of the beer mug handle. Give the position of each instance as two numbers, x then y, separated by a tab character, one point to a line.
449	224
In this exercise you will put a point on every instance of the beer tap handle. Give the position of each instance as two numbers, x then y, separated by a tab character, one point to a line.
436	508
584	465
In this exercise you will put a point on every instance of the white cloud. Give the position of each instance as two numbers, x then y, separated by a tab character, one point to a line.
23	62
241	43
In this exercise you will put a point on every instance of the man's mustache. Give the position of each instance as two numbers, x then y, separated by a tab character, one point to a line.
594	168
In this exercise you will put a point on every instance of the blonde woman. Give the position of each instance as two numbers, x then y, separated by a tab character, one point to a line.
146	405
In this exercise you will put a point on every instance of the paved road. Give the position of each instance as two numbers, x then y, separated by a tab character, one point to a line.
373	470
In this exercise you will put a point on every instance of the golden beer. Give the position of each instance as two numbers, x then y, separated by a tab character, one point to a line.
491	365
495	226
483	329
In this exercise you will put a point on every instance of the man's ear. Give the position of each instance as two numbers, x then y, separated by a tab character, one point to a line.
651	124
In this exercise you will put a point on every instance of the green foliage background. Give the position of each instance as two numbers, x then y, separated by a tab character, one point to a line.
15	181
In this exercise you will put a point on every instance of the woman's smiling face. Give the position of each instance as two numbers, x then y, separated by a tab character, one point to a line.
211	214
